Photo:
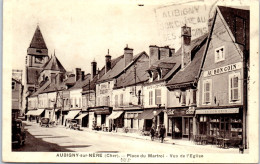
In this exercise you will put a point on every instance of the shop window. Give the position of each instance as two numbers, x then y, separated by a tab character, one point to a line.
116	100
150	97
158	96
219	54
234	88
207	89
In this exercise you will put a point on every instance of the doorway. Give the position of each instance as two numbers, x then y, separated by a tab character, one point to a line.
177	127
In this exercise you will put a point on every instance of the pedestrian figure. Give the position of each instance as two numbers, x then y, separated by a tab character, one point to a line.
152	131
162	132
114	127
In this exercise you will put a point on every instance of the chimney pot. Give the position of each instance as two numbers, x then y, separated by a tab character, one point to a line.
93	69
108	62
78	74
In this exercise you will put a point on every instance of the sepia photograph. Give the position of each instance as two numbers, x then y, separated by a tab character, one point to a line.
130	81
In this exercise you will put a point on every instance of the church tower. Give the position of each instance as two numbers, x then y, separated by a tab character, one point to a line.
37	56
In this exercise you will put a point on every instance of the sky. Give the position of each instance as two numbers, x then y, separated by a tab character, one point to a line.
82	30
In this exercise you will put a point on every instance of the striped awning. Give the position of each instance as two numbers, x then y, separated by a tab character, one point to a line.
115	114
81	116
72	114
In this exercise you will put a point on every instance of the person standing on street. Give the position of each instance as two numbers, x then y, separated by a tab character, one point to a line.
162	132
152	131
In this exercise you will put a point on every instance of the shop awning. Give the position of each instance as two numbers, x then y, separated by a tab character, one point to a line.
72	114
38	112
81	116
115	114
149	114
217	111
30	112
35	112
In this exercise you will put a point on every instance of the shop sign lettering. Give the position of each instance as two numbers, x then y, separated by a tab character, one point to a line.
217	111
155	86
220	70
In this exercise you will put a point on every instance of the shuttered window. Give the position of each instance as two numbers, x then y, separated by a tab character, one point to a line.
207	91
116	100
234	87
151	98
121	100
158	96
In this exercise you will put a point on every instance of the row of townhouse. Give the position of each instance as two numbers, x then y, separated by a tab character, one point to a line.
198	90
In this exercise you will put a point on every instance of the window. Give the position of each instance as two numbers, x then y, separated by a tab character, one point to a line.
219	54
158	96
139	97
84	100
234	88
116	100
207	89
39	60
13	85
121	100
151	98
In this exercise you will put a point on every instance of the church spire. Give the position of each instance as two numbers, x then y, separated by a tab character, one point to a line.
37	40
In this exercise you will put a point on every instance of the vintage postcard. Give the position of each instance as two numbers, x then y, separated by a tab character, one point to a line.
130	81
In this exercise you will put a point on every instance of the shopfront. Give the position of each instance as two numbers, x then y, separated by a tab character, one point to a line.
116	120
181	123
98	117
150	117
225	123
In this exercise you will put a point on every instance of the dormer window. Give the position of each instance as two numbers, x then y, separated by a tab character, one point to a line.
150	76
159	73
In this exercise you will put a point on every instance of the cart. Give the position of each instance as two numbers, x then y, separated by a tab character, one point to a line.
46	122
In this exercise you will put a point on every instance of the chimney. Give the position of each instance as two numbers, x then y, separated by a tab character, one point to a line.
93	69
82	75
78	74
210	22
186	39
128	55
53	80
108	62
154	54
164	52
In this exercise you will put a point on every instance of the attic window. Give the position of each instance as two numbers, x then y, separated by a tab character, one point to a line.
159	73
219	54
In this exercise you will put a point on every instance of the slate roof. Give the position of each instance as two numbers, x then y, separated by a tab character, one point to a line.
53	64
37	40
81	83
189	73
131	76
117	65
229	14
44	86
32	75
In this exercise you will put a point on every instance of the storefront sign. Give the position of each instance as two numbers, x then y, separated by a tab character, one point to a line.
155	86
224	69
217	111
180	112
